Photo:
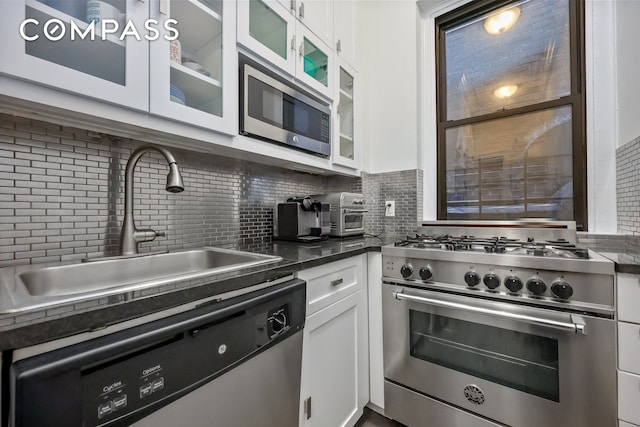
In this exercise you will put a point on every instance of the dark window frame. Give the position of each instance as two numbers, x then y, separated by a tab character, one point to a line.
577	100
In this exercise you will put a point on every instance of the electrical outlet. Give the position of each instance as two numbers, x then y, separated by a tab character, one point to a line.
390	208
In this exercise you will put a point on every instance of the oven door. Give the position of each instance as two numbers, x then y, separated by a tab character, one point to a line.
352	221
514	364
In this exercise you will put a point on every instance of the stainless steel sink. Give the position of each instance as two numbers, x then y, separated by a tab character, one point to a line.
137	272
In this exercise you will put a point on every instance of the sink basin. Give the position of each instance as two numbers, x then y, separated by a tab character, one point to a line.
137	272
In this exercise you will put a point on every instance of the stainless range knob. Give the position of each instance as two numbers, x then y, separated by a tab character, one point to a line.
471	278
406	270
513	283
561	289
426	273
536	286
491	281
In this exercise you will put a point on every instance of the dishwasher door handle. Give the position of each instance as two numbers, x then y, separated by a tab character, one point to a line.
576	324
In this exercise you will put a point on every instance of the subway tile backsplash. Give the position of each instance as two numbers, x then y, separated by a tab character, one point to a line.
405	189
62	195
628	187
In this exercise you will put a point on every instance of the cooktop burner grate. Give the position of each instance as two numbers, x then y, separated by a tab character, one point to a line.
560	248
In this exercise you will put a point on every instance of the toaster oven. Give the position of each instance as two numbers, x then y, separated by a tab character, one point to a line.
346	213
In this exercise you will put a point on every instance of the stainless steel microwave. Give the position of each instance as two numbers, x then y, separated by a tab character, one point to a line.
277	112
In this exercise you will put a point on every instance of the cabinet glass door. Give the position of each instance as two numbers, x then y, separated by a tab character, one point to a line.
103	57
78	46
345	110
189	75
346	153
267	28
314	61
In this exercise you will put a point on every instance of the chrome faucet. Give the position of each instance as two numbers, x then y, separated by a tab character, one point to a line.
130	236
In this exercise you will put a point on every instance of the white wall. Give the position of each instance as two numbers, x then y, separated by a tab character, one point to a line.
628	69
600	24
388	66
396	131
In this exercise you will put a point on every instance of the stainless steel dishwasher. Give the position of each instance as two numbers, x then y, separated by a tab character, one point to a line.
234	363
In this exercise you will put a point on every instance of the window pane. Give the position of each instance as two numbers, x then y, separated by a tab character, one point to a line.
516	167
524	64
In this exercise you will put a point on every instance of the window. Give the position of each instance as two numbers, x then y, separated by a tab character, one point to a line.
511	111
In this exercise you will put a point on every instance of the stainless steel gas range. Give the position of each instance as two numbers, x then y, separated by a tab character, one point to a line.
498	323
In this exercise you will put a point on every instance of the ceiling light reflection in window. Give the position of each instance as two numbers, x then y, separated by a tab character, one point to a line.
501	21
505	91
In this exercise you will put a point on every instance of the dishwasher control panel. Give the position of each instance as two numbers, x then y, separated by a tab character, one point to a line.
119	378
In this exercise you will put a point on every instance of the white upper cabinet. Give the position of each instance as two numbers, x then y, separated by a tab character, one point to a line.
269	29
344	30
346	131
317	15
55	49
194	78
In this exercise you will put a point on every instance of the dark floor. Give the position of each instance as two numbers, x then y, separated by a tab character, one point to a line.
373	419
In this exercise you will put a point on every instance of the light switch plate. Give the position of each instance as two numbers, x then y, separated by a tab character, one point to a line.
390	208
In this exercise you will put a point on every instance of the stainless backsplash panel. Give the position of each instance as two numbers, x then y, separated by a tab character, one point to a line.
62	194
403	187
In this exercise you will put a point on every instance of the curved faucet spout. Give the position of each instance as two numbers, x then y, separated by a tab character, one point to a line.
130	236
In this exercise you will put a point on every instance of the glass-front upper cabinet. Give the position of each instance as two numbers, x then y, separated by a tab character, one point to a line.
94	48
271	31
268	28
346	151
193	76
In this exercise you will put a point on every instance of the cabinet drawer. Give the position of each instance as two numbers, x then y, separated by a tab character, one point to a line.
329	283
628	297
628	397
629	347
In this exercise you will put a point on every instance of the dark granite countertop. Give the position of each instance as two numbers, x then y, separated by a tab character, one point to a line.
25	329
623	250
626	261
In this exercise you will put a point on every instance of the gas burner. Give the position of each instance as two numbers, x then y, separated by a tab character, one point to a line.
560	248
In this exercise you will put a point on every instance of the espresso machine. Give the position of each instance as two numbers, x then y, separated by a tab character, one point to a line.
302	219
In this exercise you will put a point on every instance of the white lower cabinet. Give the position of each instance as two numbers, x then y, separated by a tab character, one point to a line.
335	353
628	288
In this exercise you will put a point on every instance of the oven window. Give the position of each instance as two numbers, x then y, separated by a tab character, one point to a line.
521	361
353	222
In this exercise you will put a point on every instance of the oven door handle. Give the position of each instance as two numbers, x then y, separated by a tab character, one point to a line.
574	325
355	210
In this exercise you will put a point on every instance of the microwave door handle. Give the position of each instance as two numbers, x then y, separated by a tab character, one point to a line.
576	324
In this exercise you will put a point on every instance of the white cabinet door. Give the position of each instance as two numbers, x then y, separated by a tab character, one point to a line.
314	63
629	347
628	296
267	28
344	30
317	15
108	67
628	397
334	386
346	136
199	85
